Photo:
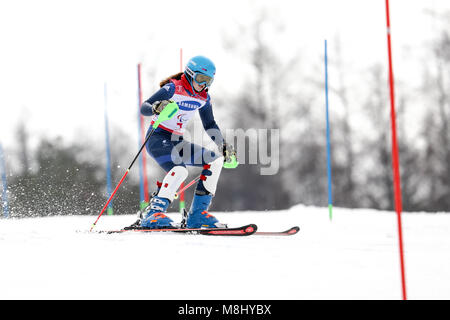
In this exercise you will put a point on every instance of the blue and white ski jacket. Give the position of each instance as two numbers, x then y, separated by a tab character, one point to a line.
188	103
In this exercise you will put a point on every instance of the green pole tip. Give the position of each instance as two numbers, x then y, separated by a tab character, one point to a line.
231	164
167	113
330	210
143	205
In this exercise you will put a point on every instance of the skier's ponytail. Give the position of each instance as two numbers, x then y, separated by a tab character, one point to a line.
167	80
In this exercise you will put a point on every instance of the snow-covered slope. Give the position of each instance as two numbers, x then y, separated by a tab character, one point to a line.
354	256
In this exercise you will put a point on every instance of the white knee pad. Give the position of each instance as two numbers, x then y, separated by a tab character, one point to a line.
172	182
210	183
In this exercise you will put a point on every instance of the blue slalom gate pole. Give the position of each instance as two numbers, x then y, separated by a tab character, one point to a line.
330	194
108	154
4	183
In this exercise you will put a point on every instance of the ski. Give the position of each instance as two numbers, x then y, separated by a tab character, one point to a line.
288	232
238	231
250	229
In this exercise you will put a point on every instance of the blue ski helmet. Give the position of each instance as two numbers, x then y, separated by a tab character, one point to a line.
201	70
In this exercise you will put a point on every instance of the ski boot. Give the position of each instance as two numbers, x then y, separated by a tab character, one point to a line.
155	218
142	212
198	216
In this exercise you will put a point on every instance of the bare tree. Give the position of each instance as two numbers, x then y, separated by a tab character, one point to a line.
344	166
23	148
376	190
436	132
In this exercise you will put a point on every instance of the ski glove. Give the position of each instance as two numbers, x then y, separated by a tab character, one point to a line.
228	151
158	106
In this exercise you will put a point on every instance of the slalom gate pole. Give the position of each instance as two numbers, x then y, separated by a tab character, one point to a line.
143	178
330	194
181	192
167	113
395	157
108	152
4	183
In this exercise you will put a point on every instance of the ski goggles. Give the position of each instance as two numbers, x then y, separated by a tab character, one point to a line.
203	79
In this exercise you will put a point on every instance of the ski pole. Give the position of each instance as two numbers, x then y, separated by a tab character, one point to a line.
233	163
167	113
187	186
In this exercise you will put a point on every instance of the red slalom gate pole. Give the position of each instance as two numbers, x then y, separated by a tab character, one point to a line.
144	157
181	193
395	158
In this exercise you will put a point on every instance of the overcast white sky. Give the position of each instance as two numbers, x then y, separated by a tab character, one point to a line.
56	55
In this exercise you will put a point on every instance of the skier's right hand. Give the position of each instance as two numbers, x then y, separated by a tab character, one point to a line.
228	152
158	106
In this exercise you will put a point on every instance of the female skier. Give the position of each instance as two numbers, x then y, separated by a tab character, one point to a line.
189	89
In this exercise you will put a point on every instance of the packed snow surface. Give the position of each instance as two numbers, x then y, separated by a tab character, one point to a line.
353	256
